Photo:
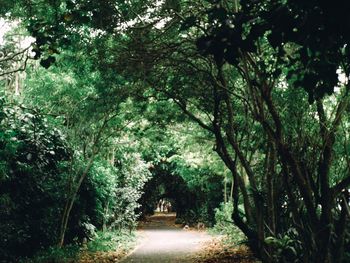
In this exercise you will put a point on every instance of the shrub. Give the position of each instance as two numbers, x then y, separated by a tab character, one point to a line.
224	224
67	254
109	241
33	158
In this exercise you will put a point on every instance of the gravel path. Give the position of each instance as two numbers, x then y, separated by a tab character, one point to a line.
161	242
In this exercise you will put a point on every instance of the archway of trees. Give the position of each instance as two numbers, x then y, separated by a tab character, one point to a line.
192	203
242	97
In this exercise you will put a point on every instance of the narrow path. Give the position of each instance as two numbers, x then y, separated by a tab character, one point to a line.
162	242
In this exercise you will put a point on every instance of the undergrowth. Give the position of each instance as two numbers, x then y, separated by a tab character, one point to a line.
112	240
225	226
102	242
67	254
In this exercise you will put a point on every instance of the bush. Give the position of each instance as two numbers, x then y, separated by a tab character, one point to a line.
108	197
224	224
33	158
67	254
109	241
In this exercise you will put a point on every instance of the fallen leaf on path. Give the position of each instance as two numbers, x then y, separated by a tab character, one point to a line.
101	257
217	251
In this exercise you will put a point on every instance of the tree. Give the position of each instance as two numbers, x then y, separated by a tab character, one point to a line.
90	119
242	76
310	46
15	46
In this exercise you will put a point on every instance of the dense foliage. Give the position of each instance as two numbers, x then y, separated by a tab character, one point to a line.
36	168
266	82
33	170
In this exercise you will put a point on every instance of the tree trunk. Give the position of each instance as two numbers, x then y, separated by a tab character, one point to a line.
70	203
104	224
271	190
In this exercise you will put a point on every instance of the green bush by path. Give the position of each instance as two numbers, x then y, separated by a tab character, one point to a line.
112	240
33	163
224	225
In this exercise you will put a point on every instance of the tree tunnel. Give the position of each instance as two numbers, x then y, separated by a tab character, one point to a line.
192	203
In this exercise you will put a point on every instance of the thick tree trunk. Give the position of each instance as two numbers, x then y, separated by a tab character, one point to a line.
340	229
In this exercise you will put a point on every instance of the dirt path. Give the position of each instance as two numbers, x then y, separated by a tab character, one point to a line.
160	241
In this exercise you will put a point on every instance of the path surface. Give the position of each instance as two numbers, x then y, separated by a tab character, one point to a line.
160	241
